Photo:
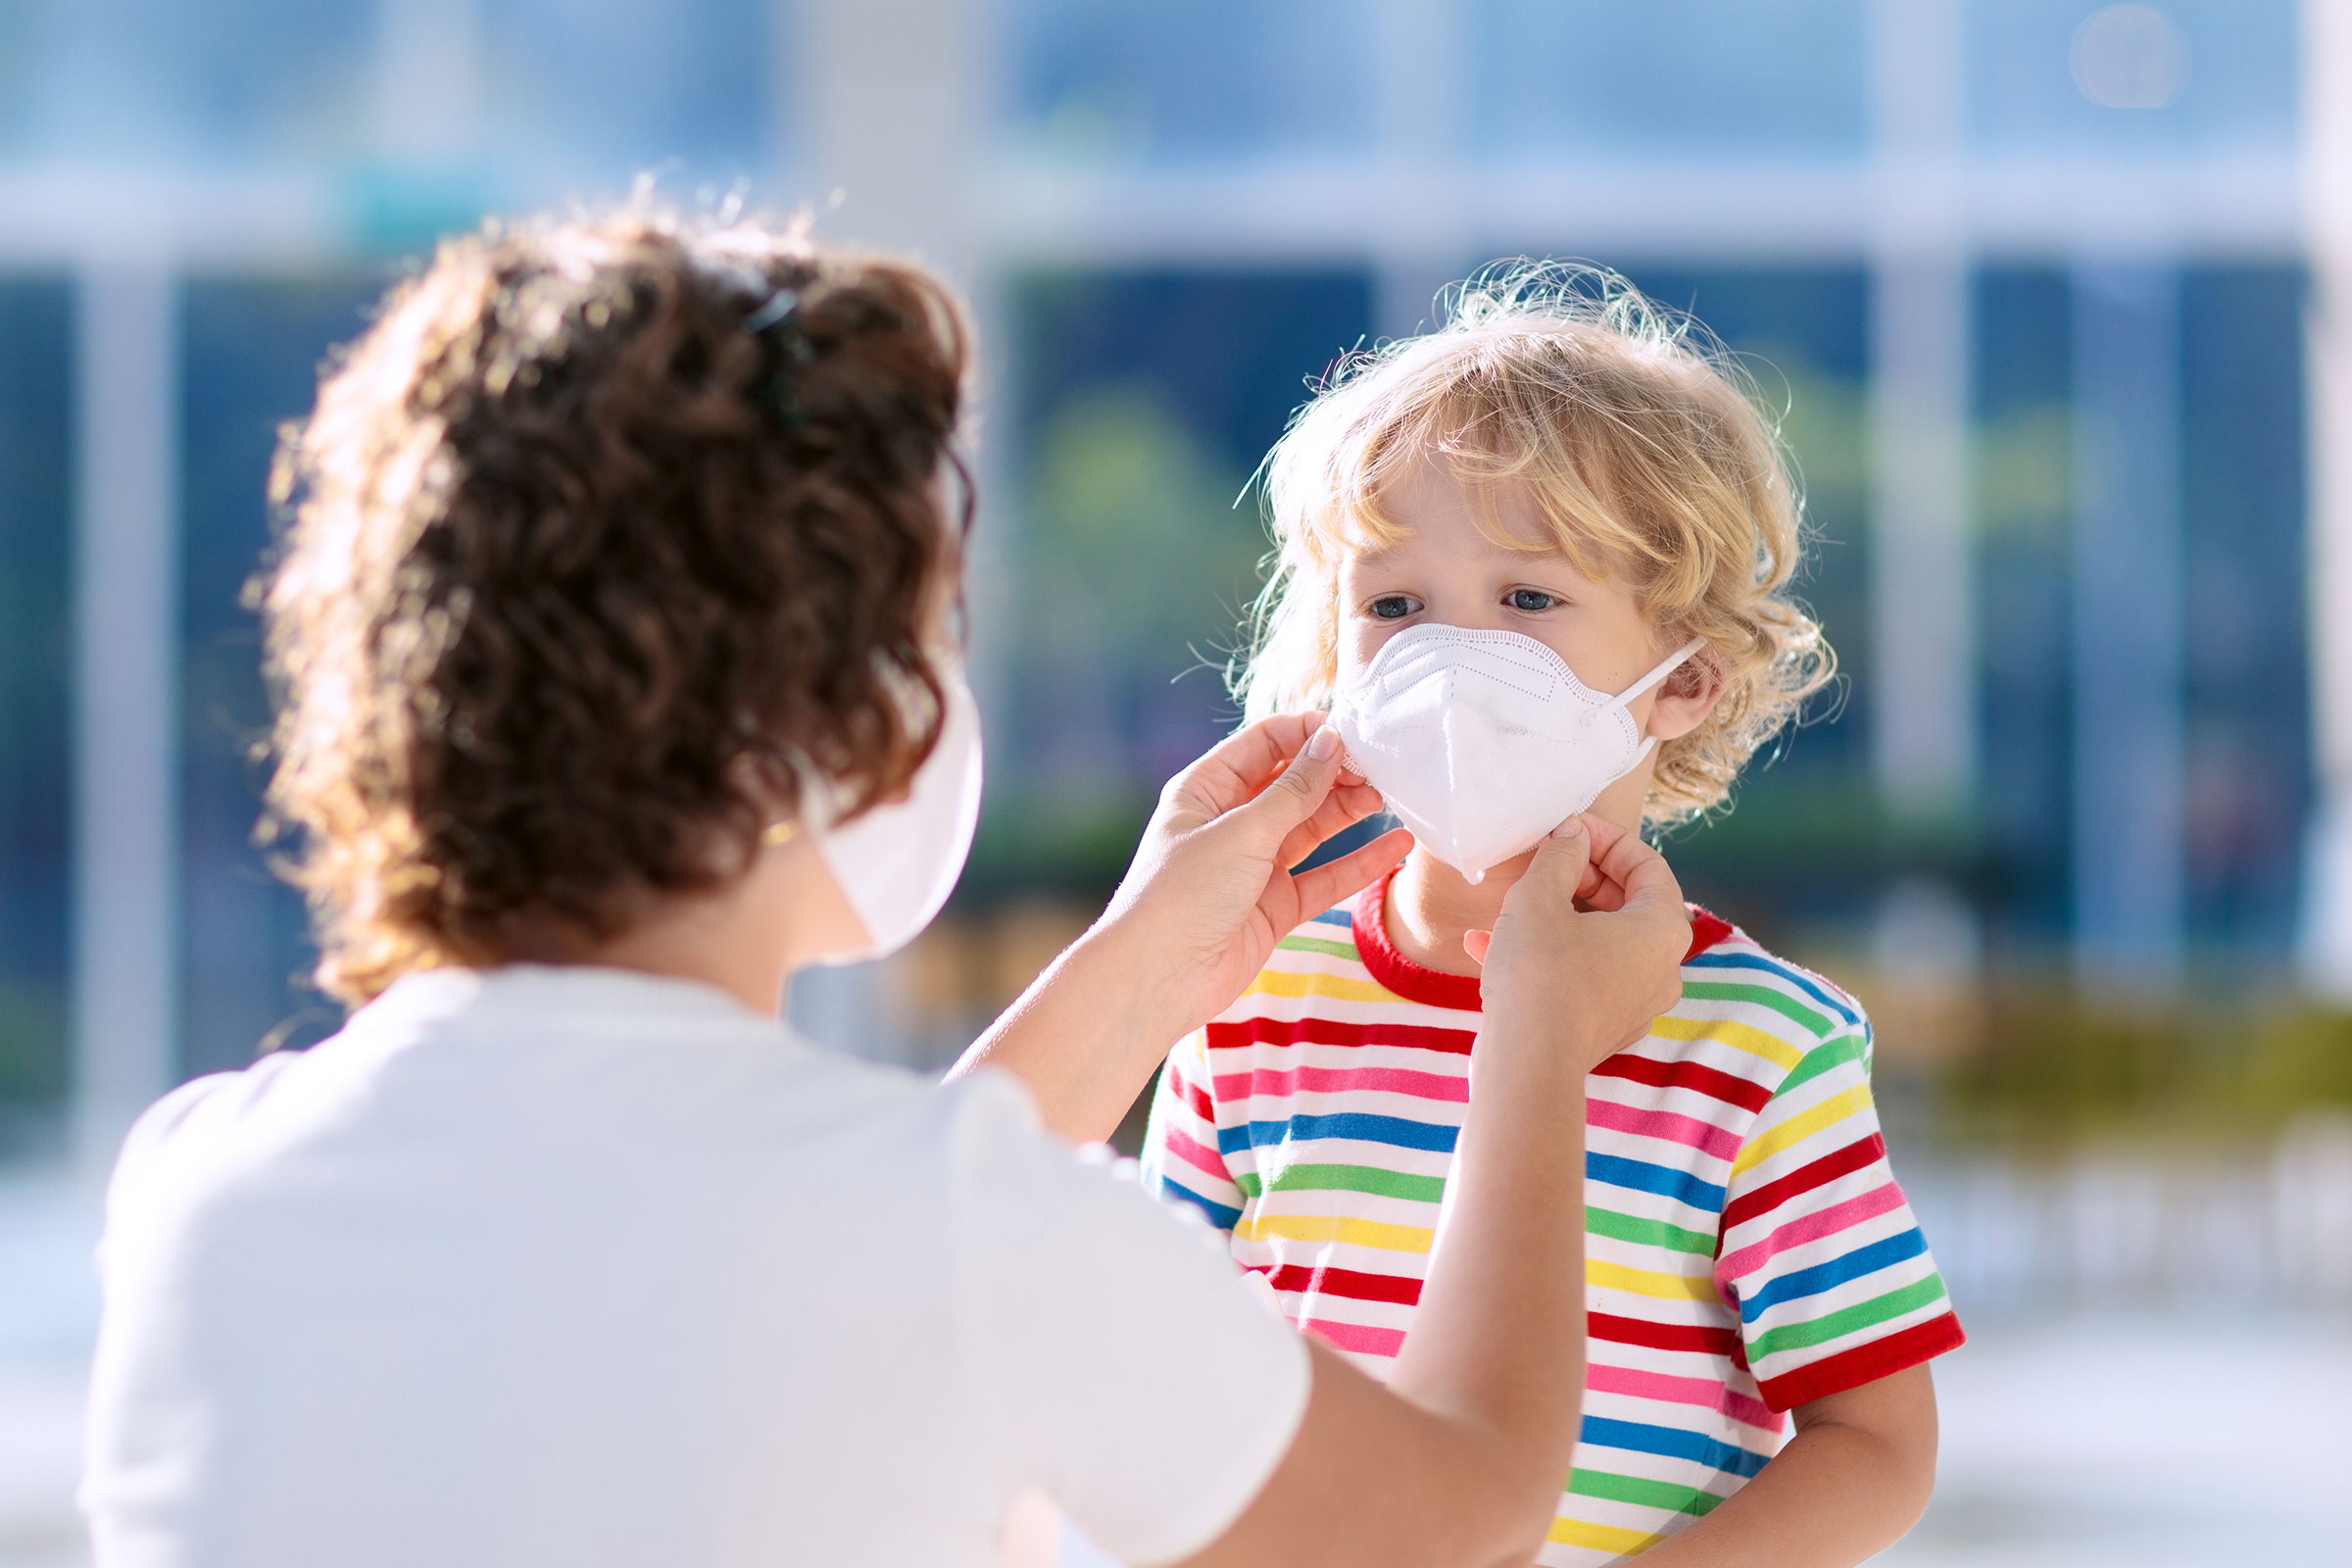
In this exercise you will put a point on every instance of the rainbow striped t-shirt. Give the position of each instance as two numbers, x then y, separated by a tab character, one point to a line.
1747	1246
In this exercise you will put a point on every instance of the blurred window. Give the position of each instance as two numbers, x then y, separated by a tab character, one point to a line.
36	534
608	87
1146	401
2023	480
252	351
2248	699
1203	82
1717	78
2185	74
173	82
554	88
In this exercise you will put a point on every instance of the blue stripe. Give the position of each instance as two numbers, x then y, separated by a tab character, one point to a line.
1672	1442
1745	960
1664	1180
1219	1215
1394	1130
1836	1272
1338	917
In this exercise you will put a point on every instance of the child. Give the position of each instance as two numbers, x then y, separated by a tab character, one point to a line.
1535	562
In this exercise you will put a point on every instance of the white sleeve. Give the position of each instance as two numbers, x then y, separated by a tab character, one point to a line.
1127	1369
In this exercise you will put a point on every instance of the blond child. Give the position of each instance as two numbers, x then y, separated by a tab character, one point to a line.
1534	564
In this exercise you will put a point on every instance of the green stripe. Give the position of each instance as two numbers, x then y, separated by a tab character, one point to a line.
1347	1179
1330	950
1821	1058
1648	1232
1637	1489
1861	1315
1762	996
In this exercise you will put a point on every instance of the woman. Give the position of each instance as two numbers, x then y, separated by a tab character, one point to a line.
615	634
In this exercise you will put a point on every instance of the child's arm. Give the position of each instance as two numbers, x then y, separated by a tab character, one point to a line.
1181	1159
1854	1478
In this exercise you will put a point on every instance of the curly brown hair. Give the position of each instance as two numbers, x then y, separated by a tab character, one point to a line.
605	534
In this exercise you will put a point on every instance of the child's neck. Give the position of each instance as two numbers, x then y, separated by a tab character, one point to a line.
1431	905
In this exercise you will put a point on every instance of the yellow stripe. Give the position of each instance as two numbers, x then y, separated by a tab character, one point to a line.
1278	983
1335	1228
1648	1282
1797	1128
1602	1538
1729	1032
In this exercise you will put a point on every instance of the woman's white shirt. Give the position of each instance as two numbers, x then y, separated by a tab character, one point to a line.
581	1267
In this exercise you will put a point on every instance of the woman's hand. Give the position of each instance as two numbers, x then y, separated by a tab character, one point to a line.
1208	895
1595	930
1211	889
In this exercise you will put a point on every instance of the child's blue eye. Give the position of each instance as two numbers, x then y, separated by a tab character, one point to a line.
1533	600
1393	607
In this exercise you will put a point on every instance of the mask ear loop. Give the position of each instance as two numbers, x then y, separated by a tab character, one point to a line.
1672	663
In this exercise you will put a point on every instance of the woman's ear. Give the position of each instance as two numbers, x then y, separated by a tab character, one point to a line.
1686	698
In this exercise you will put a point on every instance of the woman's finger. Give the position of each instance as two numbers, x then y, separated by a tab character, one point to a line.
1322	886
1259	827
1235	770
1644	874
1599	888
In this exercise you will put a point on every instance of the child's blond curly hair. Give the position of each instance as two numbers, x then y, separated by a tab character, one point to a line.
1639	439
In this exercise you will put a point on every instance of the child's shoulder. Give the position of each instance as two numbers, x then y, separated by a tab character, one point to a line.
1741	996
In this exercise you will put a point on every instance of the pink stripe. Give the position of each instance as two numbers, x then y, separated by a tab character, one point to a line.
1197	1155
1811	1228
1342	1080
1689	1131
1356	1337
1706	1393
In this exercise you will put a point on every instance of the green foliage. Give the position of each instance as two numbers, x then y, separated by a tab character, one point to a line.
1137	556
2023	474
1136	571
33	1042
1823	421
1030	840
2055	1065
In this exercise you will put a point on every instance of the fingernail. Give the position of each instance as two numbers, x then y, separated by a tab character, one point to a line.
1569	829
1323	743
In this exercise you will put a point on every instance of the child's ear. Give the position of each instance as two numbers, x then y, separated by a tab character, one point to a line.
1686	698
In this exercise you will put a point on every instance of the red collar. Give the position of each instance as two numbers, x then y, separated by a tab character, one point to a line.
1417	982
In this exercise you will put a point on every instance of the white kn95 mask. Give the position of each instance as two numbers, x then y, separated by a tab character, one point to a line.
898	862
1484	742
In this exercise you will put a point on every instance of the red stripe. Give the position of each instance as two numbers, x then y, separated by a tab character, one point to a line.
1331	1032
1772	1194
1697	1337
1346	1282
1711	1082
1864	1363
1192	1095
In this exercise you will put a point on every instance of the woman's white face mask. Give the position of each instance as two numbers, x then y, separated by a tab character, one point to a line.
897	863
1482	742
